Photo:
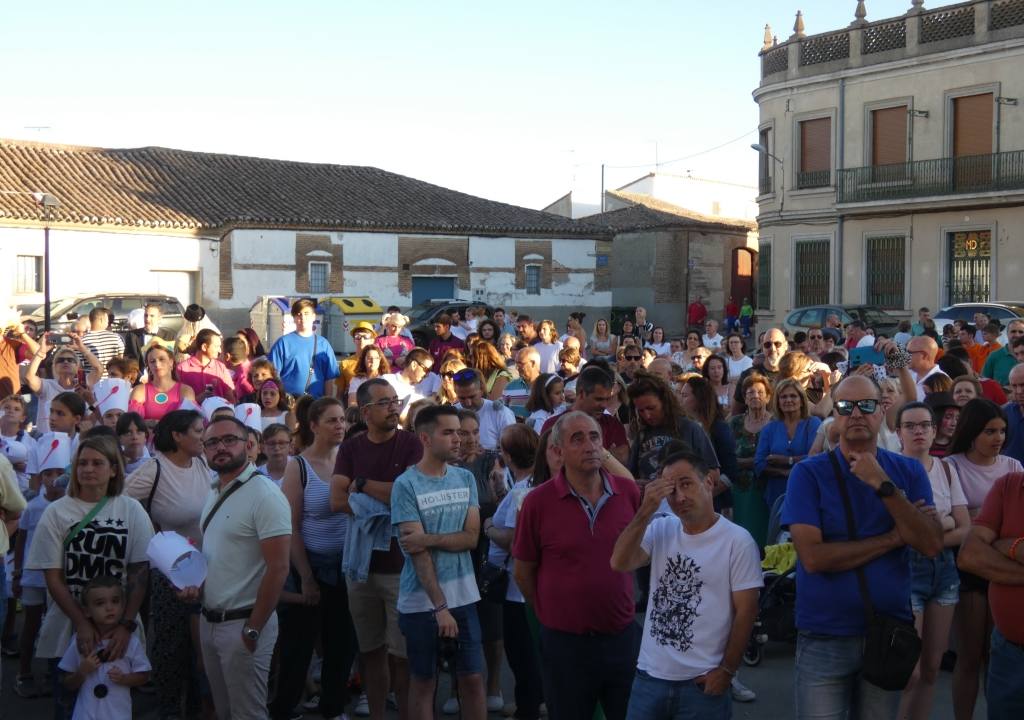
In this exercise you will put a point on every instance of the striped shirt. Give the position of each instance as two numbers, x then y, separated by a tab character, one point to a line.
323	531
105	345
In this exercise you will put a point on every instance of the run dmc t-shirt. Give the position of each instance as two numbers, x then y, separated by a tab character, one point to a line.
440	504
689	614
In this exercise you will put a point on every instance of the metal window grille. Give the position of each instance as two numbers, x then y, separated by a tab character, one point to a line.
947	24
774	61
533	279
885	271
812	271
970	266
764	276
879	38
318	273
28	274
824	48
1006	14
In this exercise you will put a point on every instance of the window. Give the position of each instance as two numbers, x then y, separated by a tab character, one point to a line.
28	274
972	125
815	153
764	276
889	135
533	279
811	268
318	273
764	163
885	268
602	260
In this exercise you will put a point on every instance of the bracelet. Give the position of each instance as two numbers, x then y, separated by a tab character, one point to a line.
727	671
1013	548
439	608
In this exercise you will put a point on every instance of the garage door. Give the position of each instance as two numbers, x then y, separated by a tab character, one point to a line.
432	288
175	283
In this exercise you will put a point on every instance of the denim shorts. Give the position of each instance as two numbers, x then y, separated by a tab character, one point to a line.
421	642
933	580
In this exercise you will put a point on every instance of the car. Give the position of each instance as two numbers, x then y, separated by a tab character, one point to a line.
1001	311
803	318
422	316
64	312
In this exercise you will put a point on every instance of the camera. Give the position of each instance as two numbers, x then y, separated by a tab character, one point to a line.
447	650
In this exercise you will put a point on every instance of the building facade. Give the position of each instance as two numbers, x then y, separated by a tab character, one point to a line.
892	161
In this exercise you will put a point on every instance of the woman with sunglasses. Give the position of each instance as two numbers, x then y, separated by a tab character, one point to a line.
975	455
446	392
64	371
934	589
786	440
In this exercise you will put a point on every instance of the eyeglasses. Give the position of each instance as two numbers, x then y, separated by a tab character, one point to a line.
631	357
866	407
228	441
924	426
815	337
65	359
769	345
384	403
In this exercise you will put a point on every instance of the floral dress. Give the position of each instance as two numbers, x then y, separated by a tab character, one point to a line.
749	509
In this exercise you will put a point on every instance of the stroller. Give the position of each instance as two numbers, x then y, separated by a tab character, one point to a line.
776	607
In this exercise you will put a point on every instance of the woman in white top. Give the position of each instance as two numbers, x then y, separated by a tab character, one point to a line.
935	584
548	346
173	487
658	343
974	451
735	355
603	343
547	398
64	371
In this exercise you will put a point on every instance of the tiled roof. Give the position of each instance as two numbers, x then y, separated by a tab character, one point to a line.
154	187
647	213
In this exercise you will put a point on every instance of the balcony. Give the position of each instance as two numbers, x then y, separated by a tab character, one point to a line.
813	179
766	185
931	178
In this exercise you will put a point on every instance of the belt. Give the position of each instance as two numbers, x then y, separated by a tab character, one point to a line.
219	616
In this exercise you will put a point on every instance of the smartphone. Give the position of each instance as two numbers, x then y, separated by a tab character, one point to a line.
61	339
209	387
860	356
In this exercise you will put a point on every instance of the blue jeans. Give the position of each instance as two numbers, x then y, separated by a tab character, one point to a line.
829	684
1004	687
654	699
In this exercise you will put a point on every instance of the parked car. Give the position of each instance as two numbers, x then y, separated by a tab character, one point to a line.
64	312
422	316
803	318
1001	311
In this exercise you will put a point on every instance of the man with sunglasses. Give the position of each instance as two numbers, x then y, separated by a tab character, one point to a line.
632	360
368	464
886	493
246	537
492	416
773	346
418	364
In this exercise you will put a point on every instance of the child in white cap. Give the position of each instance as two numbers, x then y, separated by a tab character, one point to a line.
112	395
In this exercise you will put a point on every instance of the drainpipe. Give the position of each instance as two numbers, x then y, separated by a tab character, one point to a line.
840	164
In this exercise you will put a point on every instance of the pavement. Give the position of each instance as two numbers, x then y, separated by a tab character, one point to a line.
772	680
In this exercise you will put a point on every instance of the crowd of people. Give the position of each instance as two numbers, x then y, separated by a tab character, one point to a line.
592	508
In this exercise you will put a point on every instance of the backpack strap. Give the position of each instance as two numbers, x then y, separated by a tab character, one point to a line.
303	470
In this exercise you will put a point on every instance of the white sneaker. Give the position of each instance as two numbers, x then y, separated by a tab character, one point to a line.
362	708
451	706
495	703
741	693
392	701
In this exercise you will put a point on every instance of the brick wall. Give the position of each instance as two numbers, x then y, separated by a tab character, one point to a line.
307	243
227	289
413	249
669	267
533	247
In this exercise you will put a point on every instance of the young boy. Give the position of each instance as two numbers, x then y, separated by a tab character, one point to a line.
13	419
30	585
236	357
104	686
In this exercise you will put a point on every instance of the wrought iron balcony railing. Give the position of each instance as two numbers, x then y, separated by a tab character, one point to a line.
766	185
813	179
924	178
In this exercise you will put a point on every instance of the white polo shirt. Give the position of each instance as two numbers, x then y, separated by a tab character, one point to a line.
494	417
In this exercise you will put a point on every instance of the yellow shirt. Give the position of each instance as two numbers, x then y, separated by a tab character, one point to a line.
11	499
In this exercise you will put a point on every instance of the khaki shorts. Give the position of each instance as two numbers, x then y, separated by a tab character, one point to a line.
374	608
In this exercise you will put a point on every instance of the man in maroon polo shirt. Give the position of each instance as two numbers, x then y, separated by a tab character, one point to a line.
566	533
444	341
994	550
595	389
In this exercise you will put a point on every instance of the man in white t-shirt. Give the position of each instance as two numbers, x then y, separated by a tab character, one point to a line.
711	339
406	381
705	581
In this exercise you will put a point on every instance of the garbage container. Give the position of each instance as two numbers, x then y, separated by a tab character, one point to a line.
339	312
271	317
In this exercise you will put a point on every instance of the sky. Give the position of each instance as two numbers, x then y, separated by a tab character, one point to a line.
517	102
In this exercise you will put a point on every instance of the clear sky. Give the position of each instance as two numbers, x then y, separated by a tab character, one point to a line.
517	102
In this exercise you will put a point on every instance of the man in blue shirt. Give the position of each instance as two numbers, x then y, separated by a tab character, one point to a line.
1014	446
885	490
304	360
437	511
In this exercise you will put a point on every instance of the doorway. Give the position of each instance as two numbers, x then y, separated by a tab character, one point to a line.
970	266
432	288
742	284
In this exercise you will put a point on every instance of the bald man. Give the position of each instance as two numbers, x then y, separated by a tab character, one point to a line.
922	351
773	346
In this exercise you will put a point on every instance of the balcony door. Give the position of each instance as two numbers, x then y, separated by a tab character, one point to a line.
970	266
889	131
973	116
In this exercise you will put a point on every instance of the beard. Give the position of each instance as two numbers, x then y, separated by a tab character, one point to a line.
228	464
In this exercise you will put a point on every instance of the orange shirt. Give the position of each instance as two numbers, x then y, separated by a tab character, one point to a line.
979	352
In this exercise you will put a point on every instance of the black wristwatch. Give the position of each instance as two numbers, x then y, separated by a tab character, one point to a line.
360	483
131	625
886	489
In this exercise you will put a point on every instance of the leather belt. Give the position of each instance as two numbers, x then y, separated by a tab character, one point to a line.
219	616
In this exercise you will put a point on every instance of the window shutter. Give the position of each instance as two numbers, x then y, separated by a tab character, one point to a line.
816	145
889	136
972	125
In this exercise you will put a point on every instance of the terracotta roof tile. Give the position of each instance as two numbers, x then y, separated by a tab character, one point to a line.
159	187
646	212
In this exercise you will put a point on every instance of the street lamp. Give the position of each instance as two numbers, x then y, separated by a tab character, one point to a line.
48	202
762	150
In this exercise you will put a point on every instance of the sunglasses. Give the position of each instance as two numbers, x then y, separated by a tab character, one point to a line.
464	375
770	345
630	357
65	359
816	337
866	407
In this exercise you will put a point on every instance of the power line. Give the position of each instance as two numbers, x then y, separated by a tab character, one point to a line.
687	157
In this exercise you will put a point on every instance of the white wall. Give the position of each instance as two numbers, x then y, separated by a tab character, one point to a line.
83	261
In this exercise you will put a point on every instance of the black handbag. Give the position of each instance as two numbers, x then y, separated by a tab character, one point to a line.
891	645
493	581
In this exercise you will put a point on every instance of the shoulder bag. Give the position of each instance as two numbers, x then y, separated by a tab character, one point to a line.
152	493
493	580
891	645
312	363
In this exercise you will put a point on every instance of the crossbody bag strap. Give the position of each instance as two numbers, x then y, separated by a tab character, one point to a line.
220	501
851	532
303	472
85	521
152	489
312	362
949	475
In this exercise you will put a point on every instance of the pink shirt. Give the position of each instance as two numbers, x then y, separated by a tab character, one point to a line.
197	376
